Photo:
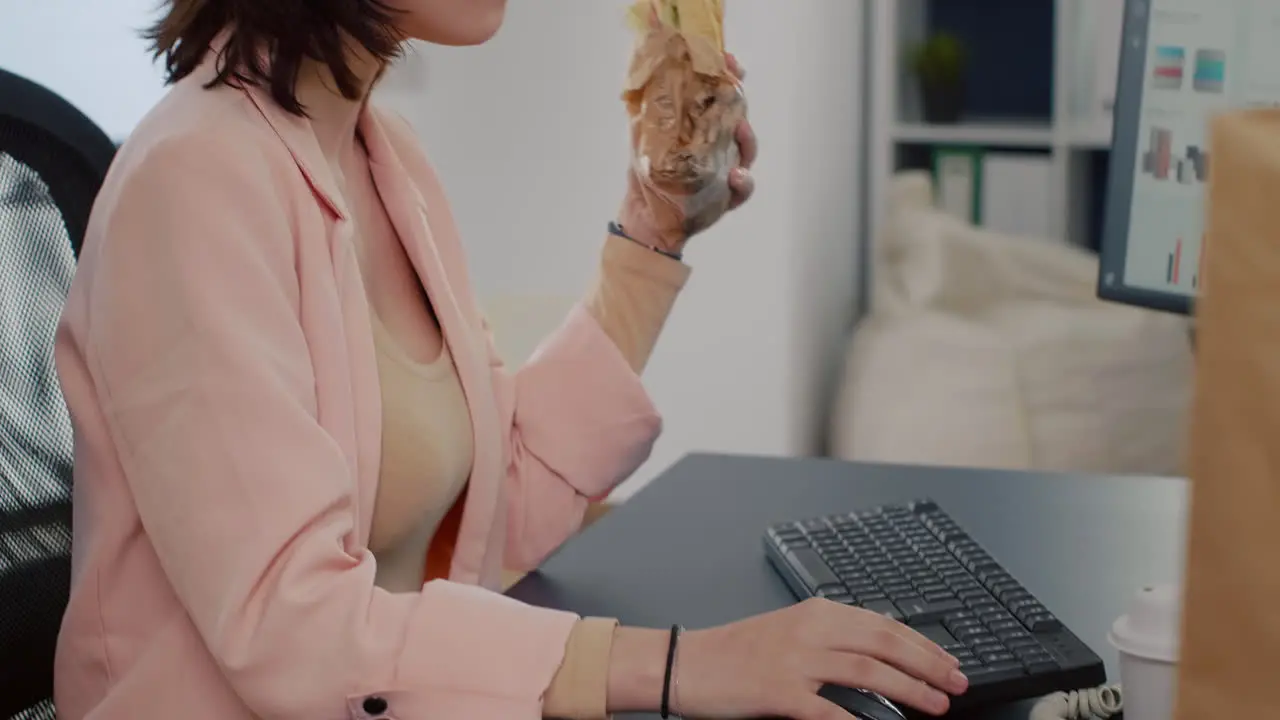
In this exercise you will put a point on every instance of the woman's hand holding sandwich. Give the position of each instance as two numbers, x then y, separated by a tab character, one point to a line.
692	146
657	217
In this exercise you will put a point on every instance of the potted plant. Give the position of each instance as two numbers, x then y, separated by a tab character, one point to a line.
940	64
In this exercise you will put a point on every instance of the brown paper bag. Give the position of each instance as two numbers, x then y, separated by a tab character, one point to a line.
685	107
1230	659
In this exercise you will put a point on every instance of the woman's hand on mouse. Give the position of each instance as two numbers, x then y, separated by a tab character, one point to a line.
772	665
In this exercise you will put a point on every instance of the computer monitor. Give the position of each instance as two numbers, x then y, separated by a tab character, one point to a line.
1181	62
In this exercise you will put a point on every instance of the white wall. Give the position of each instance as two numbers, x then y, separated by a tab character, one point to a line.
529	135
89	52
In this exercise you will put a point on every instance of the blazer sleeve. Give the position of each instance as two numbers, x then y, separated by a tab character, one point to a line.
199	361
581	422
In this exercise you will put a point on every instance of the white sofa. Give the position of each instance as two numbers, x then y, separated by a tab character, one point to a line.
983	350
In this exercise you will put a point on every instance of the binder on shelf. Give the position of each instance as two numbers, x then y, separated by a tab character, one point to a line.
1006	192
1017	191
957	179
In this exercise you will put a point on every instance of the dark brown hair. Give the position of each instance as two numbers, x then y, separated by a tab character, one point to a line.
268	40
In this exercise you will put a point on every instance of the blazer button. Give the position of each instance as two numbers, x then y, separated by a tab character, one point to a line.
374	705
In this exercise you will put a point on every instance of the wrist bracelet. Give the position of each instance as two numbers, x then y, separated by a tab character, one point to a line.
616	229
668	679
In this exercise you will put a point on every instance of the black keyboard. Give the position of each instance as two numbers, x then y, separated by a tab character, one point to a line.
916	565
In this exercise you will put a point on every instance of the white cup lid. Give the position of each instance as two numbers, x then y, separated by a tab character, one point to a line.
1151	628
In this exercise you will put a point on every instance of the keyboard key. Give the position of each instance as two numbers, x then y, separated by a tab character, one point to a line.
996	658
998	589
1041	667
936	633
1019	644
813	572
917	610
1022	605
986	674
987	646
1042	622
1017	635
1003	626
1020	595
897	588
835	595
1033	655
970	635
990	574
883	607
960	619
785	534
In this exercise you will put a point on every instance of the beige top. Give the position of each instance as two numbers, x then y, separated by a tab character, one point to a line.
427	452
427	446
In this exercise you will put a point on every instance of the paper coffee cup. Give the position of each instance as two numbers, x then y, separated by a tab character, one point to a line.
1147	640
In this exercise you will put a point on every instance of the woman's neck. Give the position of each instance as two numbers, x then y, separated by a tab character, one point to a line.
335	118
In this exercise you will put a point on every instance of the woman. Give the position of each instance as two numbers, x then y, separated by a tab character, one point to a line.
300	470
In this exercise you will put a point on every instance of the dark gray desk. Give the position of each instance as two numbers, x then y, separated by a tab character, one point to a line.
687	549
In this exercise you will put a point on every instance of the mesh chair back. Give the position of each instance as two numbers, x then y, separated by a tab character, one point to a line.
52	162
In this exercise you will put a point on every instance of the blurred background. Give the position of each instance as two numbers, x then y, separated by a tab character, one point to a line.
914	281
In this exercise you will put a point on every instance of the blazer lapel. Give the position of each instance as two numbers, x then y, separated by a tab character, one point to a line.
358	427
408	213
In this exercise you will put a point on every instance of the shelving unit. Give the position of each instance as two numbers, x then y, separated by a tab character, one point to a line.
1030	58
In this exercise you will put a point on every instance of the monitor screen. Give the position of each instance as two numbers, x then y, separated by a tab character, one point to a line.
90	52
1182	61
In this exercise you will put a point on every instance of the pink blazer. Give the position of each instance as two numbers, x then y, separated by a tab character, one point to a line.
217	358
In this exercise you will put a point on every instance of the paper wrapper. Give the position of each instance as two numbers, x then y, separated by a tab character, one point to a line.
1231	629
685	107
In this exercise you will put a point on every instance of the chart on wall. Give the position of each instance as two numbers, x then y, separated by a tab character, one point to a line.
1203	57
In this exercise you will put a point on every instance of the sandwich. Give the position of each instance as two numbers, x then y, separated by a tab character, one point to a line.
694	18
684	104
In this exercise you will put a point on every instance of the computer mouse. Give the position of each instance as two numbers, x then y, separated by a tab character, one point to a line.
862	704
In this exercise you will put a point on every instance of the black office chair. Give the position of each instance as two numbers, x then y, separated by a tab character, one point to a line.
52	162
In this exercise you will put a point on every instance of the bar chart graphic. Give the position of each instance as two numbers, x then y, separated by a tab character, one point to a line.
1195	279
1210	74
1177	262
1170	65
1190	165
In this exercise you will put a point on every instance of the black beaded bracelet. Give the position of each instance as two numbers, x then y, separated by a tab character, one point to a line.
616	229
667	676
